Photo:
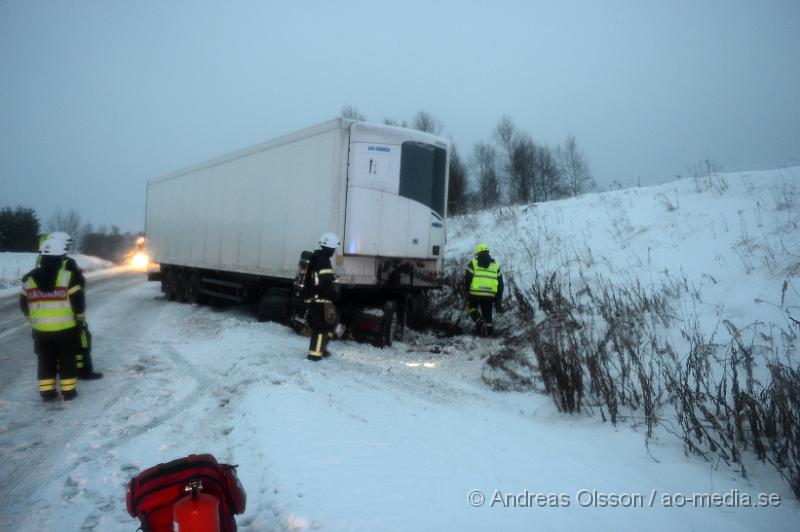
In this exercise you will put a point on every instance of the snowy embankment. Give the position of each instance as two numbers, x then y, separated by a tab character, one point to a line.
720	254
734	238
410	437
675	308
14	265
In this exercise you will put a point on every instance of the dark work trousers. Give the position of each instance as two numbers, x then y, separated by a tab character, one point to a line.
319	330
480	310
56	352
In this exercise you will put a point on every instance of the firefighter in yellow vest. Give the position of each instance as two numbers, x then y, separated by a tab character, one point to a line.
54	302
83	360
484	286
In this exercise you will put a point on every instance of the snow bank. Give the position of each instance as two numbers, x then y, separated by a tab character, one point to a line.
14	265
734	238
648	304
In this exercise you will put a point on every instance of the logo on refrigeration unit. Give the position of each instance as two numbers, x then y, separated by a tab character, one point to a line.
383	149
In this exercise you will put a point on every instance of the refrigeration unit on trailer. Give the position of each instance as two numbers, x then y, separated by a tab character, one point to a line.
235	227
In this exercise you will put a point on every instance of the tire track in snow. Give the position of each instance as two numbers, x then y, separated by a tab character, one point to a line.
58	432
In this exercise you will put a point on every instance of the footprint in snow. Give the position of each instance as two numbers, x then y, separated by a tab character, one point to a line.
71	489
129	469
91	522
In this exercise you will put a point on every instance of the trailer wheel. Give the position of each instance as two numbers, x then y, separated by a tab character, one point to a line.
274	305
180	287
390	328
168	285
414	305
193	287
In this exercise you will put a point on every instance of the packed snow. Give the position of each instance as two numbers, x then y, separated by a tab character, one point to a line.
409	437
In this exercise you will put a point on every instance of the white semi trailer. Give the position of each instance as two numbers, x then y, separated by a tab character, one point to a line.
235	227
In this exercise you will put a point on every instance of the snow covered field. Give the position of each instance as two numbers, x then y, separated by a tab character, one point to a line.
14	265
405	438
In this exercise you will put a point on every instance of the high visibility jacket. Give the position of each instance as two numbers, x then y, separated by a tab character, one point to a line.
72	266
320	287
51	311
484	280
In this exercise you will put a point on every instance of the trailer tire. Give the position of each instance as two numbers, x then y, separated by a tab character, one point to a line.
193	289
180	287
414	307
274	305
390	328
168	285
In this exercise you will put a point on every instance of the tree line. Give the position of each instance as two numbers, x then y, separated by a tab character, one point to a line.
509	169
20	230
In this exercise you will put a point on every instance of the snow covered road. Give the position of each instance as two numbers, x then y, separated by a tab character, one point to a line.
370	439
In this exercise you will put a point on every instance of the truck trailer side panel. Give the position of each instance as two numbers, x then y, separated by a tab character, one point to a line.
253	211
240	222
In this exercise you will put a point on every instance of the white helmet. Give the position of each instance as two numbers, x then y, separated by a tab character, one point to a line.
329	240
61	236
53	246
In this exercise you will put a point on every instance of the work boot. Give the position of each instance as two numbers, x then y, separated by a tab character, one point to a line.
69	395
478	329
314	358
49	395
90	375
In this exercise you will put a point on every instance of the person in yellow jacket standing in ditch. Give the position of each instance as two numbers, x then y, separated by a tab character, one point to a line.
54	302
484	286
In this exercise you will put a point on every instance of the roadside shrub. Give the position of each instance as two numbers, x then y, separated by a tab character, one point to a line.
603	349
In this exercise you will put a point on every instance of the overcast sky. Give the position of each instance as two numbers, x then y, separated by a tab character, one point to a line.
97	97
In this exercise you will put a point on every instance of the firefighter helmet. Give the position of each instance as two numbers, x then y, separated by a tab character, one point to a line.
329	240
61	237
480	248
53	246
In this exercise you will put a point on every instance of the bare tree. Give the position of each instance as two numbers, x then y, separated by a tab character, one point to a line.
522	169
548	175
351	112
425	121
457	185
505	135
68	222
485	163
505	132
574	168
530	170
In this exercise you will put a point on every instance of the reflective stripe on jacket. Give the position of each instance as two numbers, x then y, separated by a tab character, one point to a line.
316	277
484	280
51	311
321	279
